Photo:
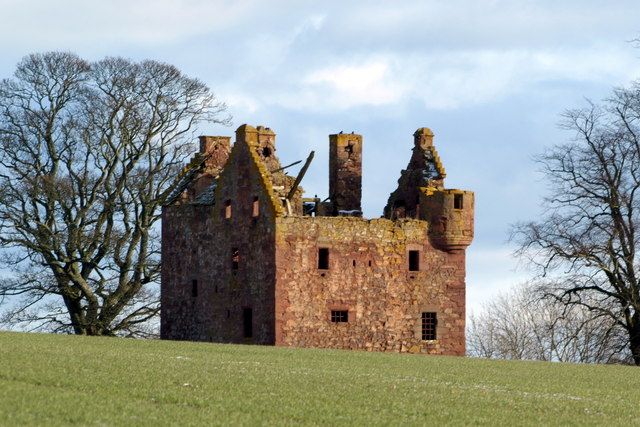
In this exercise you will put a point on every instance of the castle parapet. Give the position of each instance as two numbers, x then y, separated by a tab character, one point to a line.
450	215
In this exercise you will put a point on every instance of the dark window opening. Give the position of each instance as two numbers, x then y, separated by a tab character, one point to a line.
349	149
227	209
266	151
339	316
369	263
354	262
323	258
256	207
457	201
247	322
414	260
228	314
235	258
216	290
194	288
429	326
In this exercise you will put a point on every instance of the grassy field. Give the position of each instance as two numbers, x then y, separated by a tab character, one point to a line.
62	380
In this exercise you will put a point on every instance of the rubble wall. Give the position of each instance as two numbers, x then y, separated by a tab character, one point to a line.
368	276
198	243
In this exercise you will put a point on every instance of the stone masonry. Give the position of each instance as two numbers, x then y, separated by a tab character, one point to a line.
247	259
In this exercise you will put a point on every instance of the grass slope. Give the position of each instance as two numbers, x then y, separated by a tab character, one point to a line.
61	380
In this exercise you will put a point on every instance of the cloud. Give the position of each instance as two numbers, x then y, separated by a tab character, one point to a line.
146	22
370	83
447	80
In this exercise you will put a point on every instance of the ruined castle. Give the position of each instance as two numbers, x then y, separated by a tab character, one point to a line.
246	258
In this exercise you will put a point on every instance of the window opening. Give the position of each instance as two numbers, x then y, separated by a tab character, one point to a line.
266	151
354	262
256	207
349	149
227	209
194	288
235	258
414	260
457	201
247	322
339	316
323	258
429	326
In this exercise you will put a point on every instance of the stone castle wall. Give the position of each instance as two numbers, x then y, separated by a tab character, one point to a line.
234	240
198	242
368	275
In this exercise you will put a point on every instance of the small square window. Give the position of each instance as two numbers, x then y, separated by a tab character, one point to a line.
457	201
429	326
323	258
339	316
414	260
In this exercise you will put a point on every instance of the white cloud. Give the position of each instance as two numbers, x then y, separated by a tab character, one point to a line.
370	83
449	80
152	22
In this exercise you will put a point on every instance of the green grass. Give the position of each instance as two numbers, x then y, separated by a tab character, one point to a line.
62	380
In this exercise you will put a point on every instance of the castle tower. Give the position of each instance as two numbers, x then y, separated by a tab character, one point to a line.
345	172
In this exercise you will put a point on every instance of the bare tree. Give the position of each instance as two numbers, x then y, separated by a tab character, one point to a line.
88	152
587	237
522	324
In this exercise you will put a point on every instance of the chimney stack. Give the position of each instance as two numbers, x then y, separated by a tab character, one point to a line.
345	172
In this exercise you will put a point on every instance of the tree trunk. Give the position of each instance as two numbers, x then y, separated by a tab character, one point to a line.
634	340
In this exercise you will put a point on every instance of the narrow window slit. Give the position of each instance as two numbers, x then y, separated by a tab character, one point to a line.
235	258
247	322
227	209
414	260
256	207
194	288
323	258
457	201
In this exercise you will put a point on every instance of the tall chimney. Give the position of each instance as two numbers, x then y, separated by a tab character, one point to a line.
345	172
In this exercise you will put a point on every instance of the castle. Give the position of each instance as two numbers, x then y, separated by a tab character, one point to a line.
247	259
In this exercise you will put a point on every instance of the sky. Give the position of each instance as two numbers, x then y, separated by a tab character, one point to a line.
490	78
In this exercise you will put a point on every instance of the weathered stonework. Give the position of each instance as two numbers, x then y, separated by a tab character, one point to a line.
241	252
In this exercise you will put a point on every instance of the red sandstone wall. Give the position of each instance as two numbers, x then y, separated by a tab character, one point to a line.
384	299
197	243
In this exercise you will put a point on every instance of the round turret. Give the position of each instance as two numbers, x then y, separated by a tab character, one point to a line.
450	214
